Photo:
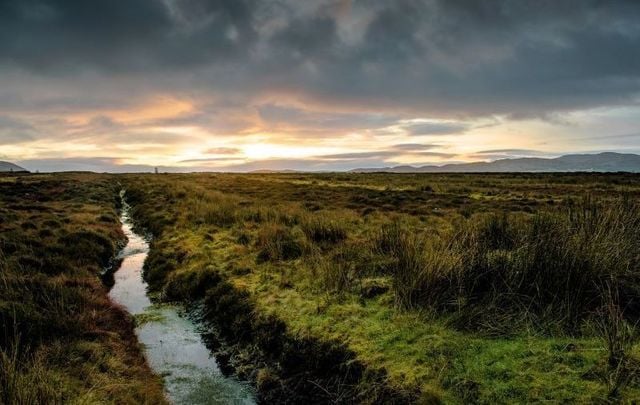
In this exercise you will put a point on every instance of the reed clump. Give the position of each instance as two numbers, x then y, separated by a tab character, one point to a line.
278	242
548	269
323	231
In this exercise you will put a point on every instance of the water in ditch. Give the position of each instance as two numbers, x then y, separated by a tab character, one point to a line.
172	343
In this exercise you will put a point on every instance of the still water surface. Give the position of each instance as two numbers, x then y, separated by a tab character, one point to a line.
172	343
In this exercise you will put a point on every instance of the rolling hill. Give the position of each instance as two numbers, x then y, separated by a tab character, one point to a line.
601	162
10	167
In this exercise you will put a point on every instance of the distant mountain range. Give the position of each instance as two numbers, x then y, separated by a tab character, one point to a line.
267	171
10	167
601	162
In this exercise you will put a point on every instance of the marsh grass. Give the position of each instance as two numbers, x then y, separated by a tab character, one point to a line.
25	377
477	288
337	274
61	339
323	231
619	337
278	242
549	268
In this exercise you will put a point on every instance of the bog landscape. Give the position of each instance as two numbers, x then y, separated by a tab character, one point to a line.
369	288
319	202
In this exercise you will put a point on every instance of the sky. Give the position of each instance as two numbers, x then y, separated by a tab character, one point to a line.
240	85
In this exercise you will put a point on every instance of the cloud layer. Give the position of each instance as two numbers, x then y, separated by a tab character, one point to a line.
209	77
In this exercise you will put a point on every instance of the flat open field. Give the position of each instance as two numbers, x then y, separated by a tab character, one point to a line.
455	288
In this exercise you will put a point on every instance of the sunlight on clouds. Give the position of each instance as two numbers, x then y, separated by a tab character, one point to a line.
159	133
268	151
157	107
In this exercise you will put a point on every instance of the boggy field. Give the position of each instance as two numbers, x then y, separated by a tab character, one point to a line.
347	288
61	339
406	288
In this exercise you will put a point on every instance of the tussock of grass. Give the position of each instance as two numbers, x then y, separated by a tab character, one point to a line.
278	242
322	231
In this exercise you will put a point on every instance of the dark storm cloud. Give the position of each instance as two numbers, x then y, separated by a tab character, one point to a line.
482	57
312	35
429	58
122	35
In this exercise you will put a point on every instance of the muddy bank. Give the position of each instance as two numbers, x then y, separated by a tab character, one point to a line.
288	368
283	367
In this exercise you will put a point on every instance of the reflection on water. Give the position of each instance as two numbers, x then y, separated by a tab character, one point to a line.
172	343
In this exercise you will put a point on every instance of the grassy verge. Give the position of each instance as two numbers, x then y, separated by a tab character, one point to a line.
460	288
62	340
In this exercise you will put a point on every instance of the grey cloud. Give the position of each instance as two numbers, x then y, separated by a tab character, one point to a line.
440	57
436	128
529	152
415	146
304	165
384	154
96	164
313	35
204	160
435	154
359	155
117	36
14	131
291	116
494	154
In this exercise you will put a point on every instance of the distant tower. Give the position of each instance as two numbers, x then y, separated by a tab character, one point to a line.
156	170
